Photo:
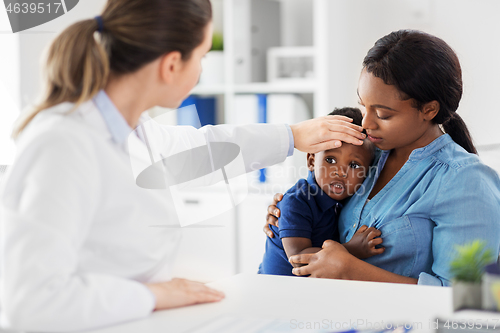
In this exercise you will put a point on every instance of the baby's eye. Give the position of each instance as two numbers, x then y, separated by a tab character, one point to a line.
330	160
354	165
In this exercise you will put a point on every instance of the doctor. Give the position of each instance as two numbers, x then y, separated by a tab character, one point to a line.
78	252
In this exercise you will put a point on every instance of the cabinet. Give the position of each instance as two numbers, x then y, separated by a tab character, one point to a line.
302	23
293	23
236	245
229	243
207	250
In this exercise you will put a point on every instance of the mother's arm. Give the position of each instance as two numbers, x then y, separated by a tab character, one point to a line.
465	207
335	262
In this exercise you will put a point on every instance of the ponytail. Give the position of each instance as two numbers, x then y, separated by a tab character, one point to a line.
131	34
458	131
77	68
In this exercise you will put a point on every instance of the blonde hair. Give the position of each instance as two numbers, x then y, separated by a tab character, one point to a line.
133	33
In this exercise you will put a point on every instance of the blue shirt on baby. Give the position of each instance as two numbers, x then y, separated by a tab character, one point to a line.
306	211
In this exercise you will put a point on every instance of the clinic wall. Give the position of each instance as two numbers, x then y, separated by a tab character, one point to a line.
10	88
471	27
34	43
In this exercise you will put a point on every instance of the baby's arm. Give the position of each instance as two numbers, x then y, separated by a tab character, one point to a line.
362	244
298	245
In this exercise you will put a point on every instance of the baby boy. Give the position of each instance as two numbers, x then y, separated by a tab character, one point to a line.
309	210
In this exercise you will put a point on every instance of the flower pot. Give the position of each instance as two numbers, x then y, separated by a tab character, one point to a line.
466	295
213	68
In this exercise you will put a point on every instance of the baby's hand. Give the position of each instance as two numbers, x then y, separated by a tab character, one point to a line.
362	244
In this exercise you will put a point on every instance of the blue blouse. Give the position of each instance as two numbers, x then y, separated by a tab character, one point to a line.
441	197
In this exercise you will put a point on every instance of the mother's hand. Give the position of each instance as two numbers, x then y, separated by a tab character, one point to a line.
323	133
273	213
331	262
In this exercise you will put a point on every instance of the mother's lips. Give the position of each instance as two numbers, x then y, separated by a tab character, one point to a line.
373	138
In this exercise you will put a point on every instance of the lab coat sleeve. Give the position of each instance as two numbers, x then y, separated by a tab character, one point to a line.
48	203
261	145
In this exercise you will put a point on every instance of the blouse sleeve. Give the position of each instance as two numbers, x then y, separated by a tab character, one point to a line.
466	208
47	212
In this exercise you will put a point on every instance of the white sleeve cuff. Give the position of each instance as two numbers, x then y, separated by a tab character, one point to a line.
291	140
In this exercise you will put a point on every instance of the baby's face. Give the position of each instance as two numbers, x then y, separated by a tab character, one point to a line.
341	171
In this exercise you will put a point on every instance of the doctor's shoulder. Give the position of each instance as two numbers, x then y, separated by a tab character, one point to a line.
60	120
59	130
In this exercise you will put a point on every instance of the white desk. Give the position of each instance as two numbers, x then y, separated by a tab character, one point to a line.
305	301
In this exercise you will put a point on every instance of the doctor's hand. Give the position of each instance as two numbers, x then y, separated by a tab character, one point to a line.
323	133
331	262
273	213
179	292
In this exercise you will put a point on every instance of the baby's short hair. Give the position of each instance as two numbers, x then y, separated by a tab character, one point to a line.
353	113
356	116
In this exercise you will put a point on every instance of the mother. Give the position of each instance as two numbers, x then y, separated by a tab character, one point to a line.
428	190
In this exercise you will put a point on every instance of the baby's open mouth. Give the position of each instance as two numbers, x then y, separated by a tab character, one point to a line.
337	187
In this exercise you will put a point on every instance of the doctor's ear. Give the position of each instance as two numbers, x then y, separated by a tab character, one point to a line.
310	162
170	65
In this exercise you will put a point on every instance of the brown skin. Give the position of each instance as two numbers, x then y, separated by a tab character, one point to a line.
400	128
362	244
339	172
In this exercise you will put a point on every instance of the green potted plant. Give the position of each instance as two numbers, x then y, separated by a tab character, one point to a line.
213	62
467	269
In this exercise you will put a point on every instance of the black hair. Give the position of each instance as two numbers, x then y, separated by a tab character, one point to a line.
423	68
357	117
353	113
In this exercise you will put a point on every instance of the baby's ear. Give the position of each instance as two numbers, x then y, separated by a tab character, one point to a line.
310	161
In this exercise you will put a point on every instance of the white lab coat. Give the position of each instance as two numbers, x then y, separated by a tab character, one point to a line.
75	226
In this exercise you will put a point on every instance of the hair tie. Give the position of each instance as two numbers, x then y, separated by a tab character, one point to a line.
100	23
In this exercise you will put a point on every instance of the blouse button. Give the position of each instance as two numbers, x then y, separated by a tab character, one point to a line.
354	225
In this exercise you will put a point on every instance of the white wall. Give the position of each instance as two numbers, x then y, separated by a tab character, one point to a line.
20	76
35	41
10	88
471	27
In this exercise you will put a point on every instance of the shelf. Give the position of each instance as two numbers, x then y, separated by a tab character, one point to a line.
269	88
315	22
257	88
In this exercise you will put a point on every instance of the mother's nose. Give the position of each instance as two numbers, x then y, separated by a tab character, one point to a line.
369	120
